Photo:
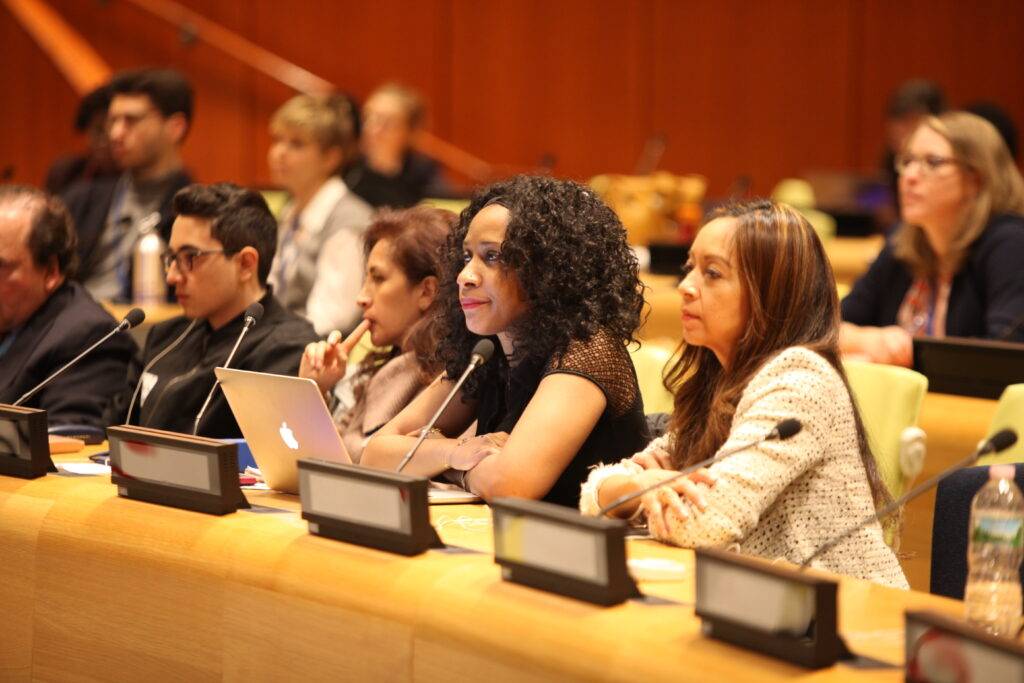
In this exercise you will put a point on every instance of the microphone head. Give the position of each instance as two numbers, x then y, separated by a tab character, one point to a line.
1000	441
134	317
253	313
787	428
482	352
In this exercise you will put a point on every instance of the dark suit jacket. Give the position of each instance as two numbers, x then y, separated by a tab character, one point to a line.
89	203
68	322
987	295
183	377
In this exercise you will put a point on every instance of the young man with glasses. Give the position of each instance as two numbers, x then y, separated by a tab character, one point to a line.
149	116
221	246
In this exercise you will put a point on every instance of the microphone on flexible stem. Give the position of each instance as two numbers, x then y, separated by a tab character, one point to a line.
252	315
999	441
482	353
783	430
134	317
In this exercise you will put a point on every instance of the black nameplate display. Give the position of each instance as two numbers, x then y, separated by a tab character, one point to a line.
373	508
969	367
778	611
24	446
942	648
177	470
556	549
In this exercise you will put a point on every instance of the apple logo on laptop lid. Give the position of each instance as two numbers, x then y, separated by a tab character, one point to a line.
288	436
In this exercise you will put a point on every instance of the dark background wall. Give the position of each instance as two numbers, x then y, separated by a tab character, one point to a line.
766	88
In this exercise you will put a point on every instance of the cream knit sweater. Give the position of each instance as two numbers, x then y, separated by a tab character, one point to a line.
783	499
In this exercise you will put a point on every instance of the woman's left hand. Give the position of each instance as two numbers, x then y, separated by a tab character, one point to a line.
663	508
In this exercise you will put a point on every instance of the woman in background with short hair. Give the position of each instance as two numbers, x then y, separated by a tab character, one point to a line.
319	267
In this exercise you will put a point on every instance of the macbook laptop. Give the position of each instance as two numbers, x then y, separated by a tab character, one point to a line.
284	419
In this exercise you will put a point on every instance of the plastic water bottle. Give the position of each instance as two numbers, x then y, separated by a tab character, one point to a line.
149	286
993	593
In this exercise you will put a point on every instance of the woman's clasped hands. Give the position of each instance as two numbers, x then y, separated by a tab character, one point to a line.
667	501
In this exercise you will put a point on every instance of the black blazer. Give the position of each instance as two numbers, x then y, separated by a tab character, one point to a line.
89	203
987	295
63	327
183	377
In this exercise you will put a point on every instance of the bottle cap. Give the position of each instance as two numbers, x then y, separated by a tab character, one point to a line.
1004	471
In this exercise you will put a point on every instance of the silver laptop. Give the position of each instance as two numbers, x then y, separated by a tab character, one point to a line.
283	419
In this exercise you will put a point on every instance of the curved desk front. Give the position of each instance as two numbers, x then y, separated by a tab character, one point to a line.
96	587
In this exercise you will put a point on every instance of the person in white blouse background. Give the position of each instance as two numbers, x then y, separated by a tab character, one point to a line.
318	270
760	320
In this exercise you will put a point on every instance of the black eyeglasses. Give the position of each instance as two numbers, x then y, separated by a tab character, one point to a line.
186	257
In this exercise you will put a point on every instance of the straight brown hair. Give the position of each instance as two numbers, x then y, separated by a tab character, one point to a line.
979	150
791	295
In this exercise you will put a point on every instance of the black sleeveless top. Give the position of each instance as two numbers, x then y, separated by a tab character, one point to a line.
619	433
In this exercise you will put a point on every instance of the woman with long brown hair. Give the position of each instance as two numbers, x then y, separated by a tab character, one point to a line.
953	268
403	264
761	329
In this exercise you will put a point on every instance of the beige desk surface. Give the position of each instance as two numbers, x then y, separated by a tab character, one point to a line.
102	588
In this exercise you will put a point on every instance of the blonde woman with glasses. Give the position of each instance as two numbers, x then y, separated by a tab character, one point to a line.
953	268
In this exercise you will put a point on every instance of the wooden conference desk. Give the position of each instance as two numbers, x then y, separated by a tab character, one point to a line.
100	588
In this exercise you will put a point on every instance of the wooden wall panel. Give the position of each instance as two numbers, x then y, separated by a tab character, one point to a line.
765	89
758	89
975	51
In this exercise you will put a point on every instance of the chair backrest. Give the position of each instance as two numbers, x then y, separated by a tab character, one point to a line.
1009	413
649	361
950	528
889	400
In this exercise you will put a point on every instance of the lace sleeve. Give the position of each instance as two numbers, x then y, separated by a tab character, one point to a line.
603	360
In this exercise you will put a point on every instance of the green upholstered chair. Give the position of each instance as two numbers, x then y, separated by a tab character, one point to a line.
276	199
889	399
1009	413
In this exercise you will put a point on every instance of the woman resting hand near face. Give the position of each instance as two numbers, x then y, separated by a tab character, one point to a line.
397	298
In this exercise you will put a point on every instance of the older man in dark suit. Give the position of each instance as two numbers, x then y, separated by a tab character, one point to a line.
46	319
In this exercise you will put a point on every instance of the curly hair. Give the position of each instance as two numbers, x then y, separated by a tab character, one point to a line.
568	251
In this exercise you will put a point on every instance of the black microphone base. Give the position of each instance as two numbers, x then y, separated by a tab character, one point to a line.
805	651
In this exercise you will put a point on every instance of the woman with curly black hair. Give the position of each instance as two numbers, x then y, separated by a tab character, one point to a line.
541	266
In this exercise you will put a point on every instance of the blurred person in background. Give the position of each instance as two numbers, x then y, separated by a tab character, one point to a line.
908	105
389	172
95	161
319	264
149	116
953	267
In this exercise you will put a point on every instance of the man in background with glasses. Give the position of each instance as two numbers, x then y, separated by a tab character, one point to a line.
218	258
149	116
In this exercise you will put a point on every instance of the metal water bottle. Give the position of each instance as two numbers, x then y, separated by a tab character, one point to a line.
149	286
